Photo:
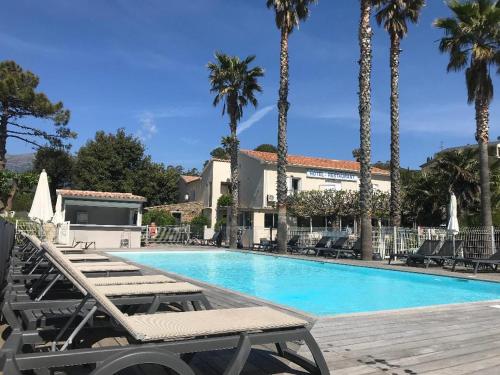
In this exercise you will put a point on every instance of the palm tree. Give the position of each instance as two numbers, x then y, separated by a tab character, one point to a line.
234	84
365	70
394	14
289	13
471	38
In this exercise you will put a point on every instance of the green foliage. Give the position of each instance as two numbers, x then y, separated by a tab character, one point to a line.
159	217
225	200
200	221
117	163
335	202
426	194
266	147
394	14
22	201
58	163
20	99
471	39
219	153
12	183
220	223
290	13
234	83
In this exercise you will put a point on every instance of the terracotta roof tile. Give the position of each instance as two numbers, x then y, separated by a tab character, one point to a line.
188	179
307	161
100	195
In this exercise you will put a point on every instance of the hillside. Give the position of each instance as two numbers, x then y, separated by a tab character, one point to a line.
20	162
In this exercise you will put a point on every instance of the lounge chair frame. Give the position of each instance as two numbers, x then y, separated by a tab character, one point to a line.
109	360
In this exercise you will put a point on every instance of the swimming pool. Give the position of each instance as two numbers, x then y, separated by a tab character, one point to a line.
315	287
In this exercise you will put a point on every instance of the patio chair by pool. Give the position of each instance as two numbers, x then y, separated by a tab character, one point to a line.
159	338
323	243
151	295
263	245
338	247
293	244
492	262
446	252
428	247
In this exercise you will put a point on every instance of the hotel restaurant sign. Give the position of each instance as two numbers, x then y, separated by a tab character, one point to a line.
332	175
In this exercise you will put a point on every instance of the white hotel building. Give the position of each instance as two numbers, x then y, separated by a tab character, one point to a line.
258	185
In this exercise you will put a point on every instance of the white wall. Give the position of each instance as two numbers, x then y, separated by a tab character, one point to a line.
106	237
251	182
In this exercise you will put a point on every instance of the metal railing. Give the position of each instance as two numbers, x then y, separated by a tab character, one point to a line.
478	242
172	234
29	227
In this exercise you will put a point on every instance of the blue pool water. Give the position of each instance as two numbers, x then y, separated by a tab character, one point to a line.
314	287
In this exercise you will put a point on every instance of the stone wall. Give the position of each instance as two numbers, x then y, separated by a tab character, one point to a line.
188	210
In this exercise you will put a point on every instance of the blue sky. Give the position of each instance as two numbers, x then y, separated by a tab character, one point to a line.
141	65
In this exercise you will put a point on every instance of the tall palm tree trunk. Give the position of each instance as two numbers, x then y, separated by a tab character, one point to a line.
235	181
482	137
365	190
283	106
395	204
3	141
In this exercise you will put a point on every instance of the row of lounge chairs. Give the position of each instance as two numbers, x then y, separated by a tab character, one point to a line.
59	301
326	246
435	251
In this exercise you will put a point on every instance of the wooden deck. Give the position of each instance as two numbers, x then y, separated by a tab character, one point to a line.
451	339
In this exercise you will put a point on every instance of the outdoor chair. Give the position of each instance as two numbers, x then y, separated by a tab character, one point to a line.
263	244
156	338
293	244
448	251
491	263
149	291
323	243
338	250
36	264
428	247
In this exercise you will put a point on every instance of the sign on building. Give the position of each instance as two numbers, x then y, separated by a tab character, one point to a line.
332	175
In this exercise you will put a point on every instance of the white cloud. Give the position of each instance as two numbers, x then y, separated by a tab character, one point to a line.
147	126
256	117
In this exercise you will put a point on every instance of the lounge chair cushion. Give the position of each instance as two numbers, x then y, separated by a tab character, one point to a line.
104	267
148	289
174	326
76	257
131	280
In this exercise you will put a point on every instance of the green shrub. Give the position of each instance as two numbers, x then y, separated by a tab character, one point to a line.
159	217
220	223
225	200
22	201
200	221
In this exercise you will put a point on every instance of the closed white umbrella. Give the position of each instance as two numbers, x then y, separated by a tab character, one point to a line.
453	220
41	208
58	217
453	227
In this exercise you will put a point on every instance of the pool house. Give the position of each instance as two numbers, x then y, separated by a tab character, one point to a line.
111	220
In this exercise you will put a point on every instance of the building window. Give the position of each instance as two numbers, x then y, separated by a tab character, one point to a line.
82	217
296	185
270	220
